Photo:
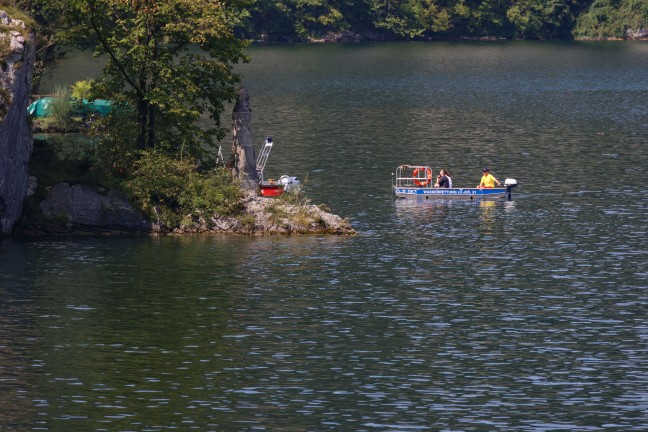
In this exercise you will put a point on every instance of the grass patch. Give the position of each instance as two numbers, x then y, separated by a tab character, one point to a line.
15	13
277	212
246	220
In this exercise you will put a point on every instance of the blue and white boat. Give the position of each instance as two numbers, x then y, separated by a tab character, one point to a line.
417	181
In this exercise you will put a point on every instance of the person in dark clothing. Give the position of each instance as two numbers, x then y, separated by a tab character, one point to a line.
442	180
445	172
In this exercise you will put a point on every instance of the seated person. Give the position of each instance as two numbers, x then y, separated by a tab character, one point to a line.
446	173
442	180
487	180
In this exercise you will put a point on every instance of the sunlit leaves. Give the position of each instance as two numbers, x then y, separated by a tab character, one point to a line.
170	60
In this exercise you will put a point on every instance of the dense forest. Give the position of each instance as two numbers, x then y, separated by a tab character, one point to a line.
303	20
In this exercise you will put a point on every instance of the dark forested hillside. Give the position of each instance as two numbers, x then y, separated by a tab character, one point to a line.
296	20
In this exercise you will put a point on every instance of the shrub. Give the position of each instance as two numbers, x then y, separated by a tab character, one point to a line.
276	212
246	220
295	197
169	190
82	90
116	137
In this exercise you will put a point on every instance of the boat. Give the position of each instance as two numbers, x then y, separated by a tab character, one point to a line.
272	187
417	181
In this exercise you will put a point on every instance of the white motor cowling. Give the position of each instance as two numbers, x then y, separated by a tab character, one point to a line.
510	184
289	183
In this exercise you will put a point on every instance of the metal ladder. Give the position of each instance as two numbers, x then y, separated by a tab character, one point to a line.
263	156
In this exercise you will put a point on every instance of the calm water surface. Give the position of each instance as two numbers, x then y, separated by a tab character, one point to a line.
528	315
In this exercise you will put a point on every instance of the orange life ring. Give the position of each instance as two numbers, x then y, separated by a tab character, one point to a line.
423	182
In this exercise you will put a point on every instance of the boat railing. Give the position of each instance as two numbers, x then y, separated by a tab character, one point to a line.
411	176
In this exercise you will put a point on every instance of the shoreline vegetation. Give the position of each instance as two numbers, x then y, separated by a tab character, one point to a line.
440	20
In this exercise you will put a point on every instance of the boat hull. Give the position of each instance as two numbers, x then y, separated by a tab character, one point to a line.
271	190
451	193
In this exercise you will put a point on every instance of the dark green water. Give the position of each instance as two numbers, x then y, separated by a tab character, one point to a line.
527	315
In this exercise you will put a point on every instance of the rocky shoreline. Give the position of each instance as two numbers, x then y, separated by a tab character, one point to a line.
84	210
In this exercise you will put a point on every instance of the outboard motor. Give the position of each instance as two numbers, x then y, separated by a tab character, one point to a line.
290	183
510	184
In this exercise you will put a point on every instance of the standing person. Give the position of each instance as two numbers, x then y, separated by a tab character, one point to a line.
487	180
442	180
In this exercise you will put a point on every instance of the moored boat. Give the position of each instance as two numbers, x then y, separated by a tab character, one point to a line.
416	181
271	187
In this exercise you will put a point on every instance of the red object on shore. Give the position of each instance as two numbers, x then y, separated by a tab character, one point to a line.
270	189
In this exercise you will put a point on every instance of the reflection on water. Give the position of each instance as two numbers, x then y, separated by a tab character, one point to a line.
524	315
487	216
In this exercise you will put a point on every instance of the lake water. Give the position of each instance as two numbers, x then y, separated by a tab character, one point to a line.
522	315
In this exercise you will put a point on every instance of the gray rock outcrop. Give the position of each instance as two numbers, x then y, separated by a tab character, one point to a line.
81	209
15	131
637	34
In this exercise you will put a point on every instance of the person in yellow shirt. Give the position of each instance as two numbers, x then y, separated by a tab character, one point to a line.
487	180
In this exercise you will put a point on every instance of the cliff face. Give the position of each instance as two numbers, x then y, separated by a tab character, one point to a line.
16	63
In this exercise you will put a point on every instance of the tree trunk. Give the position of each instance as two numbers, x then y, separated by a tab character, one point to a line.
244	166
142	124
151	127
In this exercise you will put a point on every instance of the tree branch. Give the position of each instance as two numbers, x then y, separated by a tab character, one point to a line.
104	43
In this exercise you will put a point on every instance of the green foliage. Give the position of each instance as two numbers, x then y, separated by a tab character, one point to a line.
61	108
544	19
82	90
171	190
287	20
611	19
170	61
292	207
294	197
277	212
316	17
65	158
116	137
4	45
15	10
430	19
246	220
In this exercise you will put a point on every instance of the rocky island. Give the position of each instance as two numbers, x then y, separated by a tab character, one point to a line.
82	209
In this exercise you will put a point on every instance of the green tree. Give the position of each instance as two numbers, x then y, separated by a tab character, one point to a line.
169	61
544	19
612	18
317	16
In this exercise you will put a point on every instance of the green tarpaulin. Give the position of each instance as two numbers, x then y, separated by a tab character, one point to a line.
43	107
